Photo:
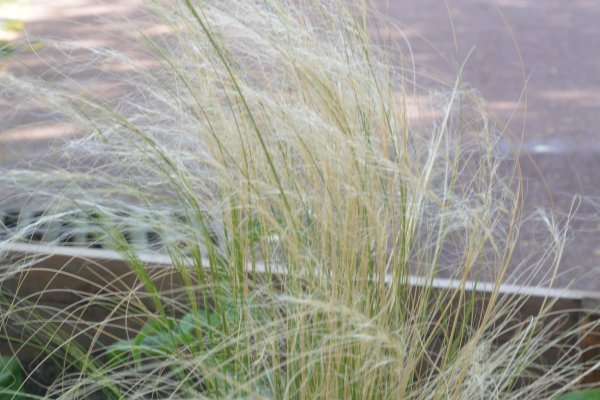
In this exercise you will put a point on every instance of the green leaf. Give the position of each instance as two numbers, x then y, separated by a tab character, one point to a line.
11	379
119	353
590	394
205	319
160	338
5	49
14	25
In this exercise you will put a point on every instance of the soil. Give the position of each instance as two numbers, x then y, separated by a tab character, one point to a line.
41	376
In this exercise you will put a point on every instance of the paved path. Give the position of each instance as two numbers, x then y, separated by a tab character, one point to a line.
27	133
537	63
559	42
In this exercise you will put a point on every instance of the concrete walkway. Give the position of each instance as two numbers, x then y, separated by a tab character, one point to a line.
27	133
536	63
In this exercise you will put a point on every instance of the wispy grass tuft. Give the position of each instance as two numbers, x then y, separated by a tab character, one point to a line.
298	177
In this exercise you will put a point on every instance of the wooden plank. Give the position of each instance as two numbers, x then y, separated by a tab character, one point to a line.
60	277
92	269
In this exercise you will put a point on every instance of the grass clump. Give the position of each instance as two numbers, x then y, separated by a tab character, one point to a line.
275	150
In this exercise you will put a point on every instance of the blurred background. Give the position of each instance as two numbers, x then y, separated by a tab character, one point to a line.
536	63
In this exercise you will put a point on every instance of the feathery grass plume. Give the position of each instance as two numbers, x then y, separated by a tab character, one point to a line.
276	148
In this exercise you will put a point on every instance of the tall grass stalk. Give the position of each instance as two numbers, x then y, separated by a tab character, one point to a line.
277	149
